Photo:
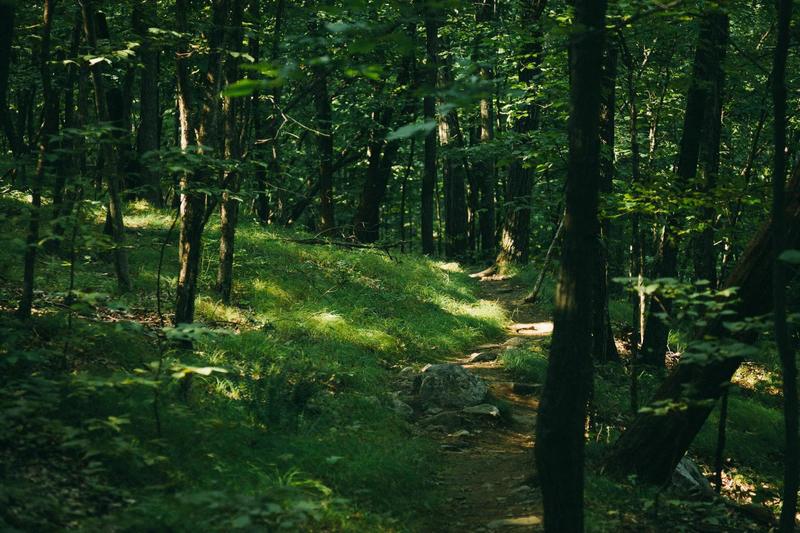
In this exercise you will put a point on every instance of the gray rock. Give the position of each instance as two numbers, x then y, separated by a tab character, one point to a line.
482	409
449	385
525	389
448	420
688	478
402	408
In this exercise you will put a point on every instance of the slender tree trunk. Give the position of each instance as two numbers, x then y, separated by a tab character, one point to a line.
8	10
147	140
324	125
562	411
430	71
604	348
193	201
515	235
484	167
706	61
108	151
655	442
229	207
49	128
783	337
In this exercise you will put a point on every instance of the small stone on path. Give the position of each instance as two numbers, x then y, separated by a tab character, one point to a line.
482	409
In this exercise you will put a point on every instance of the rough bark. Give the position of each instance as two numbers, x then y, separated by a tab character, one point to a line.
653	444
8	10
484	168
562	412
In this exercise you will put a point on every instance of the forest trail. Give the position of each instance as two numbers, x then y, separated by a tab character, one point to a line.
485	474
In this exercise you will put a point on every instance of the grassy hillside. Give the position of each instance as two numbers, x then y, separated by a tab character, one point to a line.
281	415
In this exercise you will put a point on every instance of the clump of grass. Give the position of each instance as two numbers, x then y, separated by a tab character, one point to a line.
527	362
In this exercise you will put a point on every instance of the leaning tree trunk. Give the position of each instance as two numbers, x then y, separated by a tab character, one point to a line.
109	152
604	348
655	442
562	411
706	62
515	235
783	340
49	128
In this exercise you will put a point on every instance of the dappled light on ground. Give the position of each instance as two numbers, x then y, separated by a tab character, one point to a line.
533	329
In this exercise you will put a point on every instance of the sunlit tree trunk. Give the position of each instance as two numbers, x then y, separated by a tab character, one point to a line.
562	412
484	168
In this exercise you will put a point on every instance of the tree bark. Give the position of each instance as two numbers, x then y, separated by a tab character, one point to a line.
515	235
147	140
783	337
654	443
49	128
562	411
109	152
232	152
430	73
706	62
604	348
8	10
485	167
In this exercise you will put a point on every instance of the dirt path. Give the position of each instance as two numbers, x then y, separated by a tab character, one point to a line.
486	469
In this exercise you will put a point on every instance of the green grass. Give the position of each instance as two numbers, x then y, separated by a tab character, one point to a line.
296	429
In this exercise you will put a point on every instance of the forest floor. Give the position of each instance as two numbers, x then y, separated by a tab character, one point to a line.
487	471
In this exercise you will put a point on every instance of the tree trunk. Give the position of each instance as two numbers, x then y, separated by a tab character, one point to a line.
783	337
232	151
147	140
430	71
706	62
562	411
193	202
654	443
484	167
109	152
704	254
49	128
324	125
515	235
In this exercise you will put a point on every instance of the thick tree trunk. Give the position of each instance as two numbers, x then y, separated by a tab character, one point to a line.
562	412
604	348
515	235
429	178
704	253
49	128
109	152
232	151
654	443
783	337
706	62
147	140
8	10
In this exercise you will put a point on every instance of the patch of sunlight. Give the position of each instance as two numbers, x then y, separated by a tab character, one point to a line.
334	326
271	289
483	310
450	267
755	377
534	329
209	310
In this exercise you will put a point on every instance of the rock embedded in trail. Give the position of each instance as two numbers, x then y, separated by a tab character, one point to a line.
482	409
449	385
688	478
482	357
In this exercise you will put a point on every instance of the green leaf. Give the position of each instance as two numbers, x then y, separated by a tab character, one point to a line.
411	130
790	256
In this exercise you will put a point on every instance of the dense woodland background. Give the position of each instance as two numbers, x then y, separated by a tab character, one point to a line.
228	224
